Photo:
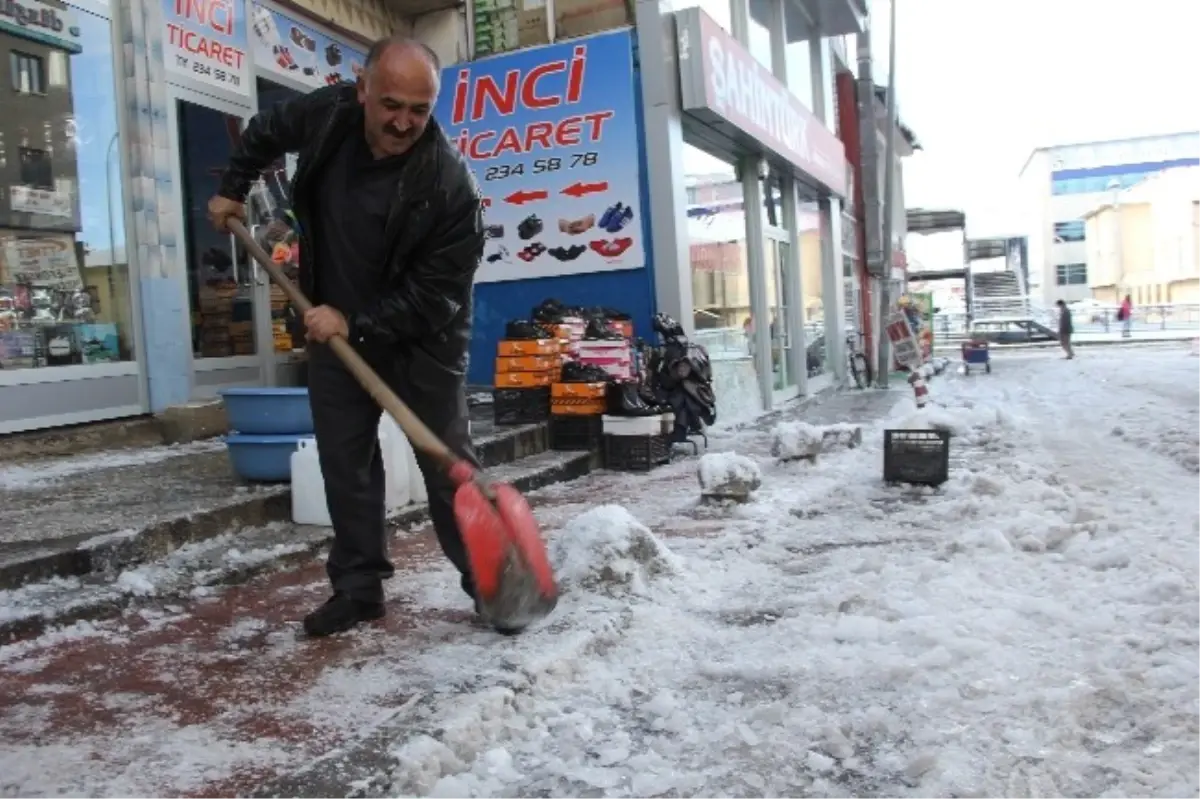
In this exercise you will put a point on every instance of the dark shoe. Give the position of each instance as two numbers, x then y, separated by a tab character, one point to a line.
598	330
340	614
550	312
623	400
520	330
530	226
575	372
494	231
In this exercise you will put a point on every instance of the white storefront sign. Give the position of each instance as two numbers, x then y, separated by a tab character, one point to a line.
28	200
42	22
205	41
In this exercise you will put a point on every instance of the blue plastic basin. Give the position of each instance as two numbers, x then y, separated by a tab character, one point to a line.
268	411
263	459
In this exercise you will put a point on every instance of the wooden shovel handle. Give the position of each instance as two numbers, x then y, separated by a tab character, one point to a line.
421	436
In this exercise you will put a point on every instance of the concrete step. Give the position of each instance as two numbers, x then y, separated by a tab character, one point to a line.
230	555
70	517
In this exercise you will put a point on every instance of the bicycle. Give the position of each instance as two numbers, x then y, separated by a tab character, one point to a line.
860	364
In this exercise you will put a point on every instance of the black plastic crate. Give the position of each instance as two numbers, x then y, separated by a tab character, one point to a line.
520	405
569	432
636	453
920	457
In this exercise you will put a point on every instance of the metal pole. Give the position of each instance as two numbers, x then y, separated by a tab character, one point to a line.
889	205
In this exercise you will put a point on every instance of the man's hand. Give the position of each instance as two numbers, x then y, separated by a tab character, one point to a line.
222	209
324	322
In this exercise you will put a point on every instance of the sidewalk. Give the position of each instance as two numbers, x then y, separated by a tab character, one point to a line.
220	696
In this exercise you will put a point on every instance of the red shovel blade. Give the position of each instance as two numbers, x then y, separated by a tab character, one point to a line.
513	578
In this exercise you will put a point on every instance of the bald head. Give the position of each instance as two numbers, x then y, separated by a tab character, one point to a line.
397	90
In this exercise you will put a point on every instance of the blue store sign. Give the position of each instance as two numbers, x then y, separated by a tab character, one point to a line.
552	135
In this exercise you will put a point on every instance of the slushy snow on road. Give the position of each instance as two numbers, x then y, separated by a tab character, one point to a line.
1028	629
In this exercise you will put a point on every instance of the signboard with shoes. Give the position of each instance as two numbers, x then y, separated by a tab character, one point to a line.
297	52
551	133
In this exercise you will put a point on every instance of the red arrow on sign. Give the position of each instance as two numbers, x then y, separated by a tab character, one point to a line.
581	189
522	197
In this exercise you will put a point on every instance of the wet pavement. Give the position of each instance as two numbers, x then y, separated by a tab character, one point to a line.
216	693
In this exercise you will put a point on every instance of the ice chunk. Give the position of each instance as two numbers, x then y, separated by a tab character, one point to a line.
795	440
607	550
727	475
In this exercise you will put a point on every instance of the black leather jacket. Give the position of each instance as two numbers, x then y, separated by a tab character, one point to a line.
434	228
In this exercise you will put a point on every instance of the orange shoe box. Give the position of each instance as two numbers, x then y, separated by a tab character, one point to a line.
589	391
526	379
512	348
528	363
578	407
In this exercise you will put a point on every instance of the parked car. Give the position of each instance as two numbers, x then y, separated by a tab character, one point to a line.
1021	331
1092	310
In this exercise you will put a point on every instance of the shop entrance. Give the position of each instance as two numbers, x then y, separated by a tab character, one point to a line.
228	297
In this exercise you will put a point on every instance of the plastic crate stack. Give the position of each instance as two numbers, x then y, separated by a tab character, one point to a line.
576	415
525	371
637	443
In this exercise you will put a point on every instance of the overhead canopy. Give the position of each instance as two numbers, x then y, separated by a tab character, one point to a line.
923	221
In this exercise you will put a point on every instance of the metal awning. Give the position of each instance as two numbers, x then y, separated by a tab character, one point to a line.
814	19
923	221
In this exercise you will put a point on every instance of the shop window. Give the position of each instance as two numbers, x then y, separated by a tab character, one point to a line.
64	275
1069	231
35	168
808	225
1071	274
716	227
760	43
28	73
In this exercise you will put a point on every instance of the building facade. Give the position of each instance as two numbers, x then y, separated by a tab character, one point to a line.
1061	183
1145	241
118	299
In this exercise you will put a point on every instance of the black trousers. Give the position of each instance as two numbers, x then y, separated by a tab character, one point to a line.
347	424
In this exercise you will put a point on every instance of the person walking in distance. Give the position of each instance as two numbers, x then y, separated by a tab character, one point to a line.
391	235
1066	328
1125	316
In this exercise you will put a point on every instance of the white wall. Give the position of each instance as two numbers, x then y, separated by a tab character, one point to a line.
444	31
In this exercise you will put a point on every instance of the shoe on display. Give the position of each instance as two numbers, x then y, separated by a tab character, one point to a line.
611	249
597	329
574	227
501	254
568	253
575	372
530	226
524	330
623	400
494	231
551	311
607	217
621	217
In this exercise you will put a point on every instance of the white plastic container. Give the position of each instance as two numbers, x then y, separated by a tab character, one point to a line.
308	482
636	425
395	465
416	480
308	486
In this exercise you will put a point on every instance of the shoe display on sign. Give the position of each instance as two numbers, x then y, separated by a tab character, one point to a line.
530	226
532	251
500	254
568	253
611	248
494	231
574	227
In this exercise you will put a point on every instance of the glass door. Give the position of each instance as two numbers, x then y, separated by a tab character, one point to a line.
776	259
228	301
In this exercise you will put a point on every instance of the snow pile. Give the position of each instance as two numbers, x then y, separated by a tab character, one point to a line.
606	550
795	440
975	422
727	475
1177	443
